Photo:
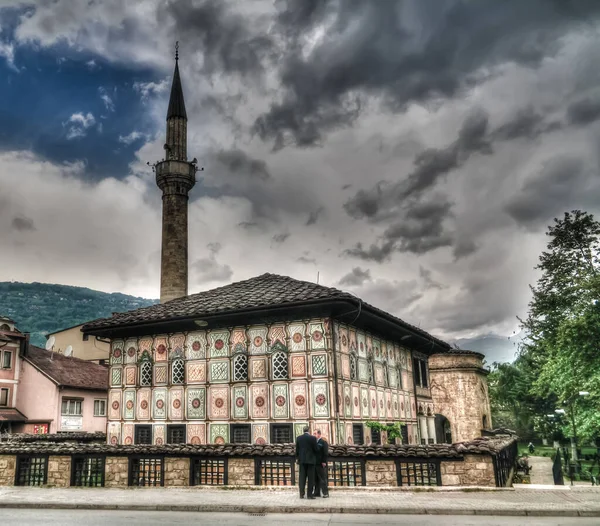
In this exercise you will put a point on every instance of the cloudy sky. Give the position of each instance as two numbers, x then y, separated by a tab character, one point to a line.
411	152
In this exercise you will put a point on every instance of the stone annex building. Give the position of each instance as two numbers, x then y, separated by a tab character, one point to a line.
256	360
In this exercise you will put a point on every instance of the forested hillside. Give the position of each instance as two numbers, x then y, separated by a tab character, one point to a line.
40	308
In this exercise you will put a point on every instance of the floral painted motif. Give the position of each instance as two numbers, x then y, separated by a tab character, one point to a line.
219	402
280	401
320	399
260	401
176	403
300	400
356	401
115	405
239	401
297	338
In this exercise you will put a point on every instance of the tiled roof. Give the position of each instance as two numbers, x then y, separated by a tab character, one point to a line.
264	291
97	437
69	371
12	415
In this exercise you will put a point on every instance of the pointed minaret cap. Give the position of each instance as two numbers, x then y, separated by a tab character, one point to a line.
176	102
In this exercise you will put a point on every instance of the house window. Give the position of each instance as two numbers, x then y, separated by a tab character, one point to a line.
176	434
420	372
146	373
357	434
99	407
399	376
280	366
7	360
281	433
143	434
375	436
371	374
386	376
240	368
353	368
178	371
3	397
240	434
71	407
86	337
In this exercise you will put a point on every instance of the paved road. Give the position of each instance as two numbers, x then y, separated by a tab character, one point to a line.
178	518
542	470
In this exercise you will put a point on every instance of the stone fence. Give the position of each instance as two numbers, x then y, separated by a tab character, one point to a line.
482	462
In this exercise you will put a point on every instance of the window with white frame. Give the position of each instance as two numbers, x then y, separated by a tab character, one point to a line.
99	407
240	368
71	407
7	360
178	371
3	397
146	373
353	367
279	366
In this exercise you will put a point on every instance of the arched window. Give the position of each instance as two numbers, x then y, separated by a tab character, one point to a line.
240	368
4	327
279	366
178	371
371	373
353	367
399	378
146	373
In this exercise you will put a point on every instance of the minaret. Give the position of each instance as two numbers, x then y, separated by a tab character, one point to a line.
175	176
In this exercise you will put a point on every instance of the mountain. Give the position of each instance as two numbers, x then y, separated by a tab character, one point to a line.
41	308
495	347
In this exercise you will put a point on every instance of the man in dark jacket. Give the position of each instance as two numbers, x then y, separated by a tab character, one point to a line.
321	466
306	456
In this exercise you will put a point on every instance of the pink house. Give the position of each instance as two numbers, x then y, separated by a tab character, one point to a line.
49	392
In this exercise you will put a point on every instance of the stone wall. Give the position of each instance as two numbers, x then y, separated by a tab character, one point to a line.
240	472
177	472
59	471
381	473
116	473
474	470
8	466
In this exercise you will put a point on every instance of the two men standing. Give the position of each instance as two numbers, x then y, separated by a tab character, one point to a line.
311	455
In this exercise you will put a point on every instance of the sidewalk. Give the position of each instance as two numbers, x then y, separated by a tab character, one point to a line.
576	502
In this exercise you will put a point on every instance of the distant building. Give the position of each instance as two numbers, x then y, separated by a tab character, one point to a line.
84	347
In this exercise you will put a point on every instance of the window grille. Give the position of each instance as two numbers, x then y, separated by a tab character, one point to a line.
418	472
353	368
31	470
281	433
176	434
178	371
319	365
209	472
420	373
146	471
346	473
146	373
371	374
240	434
99	407
375	436
71	407
143	434
240	368
280	366
278	471
87	471
404	433
357	434
7	360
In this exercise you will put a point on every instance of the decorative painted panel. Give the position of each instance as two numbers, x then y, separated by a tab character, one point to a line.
114	405
317	336
348	401
258	340
319	364
364	402
196	372
298	365
299	429
143	411
195	345
277	335
280	401
380	404
218	403
299	400
349	435
160	374
297	340
145	345
176	403
131	353
320	394
345	366
356	402
238	340
219	433
372	402
127	434
258	368
352	341
176	344
129	404
260	433
116	374
369	344
196	403
260	400
395	406
196	434
116	355
219	371
218	343
161	349
343	339
360	341
324	428
114	433
239	402
379	374
130	375
158	432
159	403
363	372
388	404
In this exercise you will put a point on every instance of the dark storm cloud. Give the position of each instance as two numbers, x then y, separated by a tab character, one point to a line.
313	216
238	162
426	276
209	269
378	253
404	52
356	277
304	259
23	224
584	111
526	122
280	238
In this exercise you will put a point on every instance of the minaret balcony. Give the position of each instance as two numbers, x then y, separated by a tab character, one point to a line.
173	173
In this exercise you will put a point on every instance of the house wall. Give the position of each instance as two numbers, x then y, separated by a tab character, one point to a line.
91	349
9	378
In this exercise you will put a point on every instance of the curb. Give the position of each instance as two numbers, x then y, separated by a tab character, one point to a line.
213	508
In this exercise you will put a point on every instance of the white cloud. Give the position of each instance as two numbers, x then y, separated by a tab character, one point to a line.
146	89
108	102
131	138
7	50
78	124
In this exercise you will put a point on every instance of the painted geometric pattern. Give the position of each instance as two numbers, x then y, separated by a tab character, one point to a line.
362	347
298	366
158	434
160	374
130	374
196	372
317	336
277	334
373	402
345	366
161	350
379	374
299	429
196	403
258	340
259	433
349	434
176	343
196	345
380	404
238	340
388	404
114	433
348	403
259	369
127	434
219	433
131	351
297	340
143	411
369	344
159	404
319	365
320	399
176	403
239	404
219	371
129	405
341	434
196	434
114	407
324	428
218	342
352	343
219	403
116	355
395	406
145	344
300	400
356	401
280	401
363	371
115	377
342	339
364	401
260	401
